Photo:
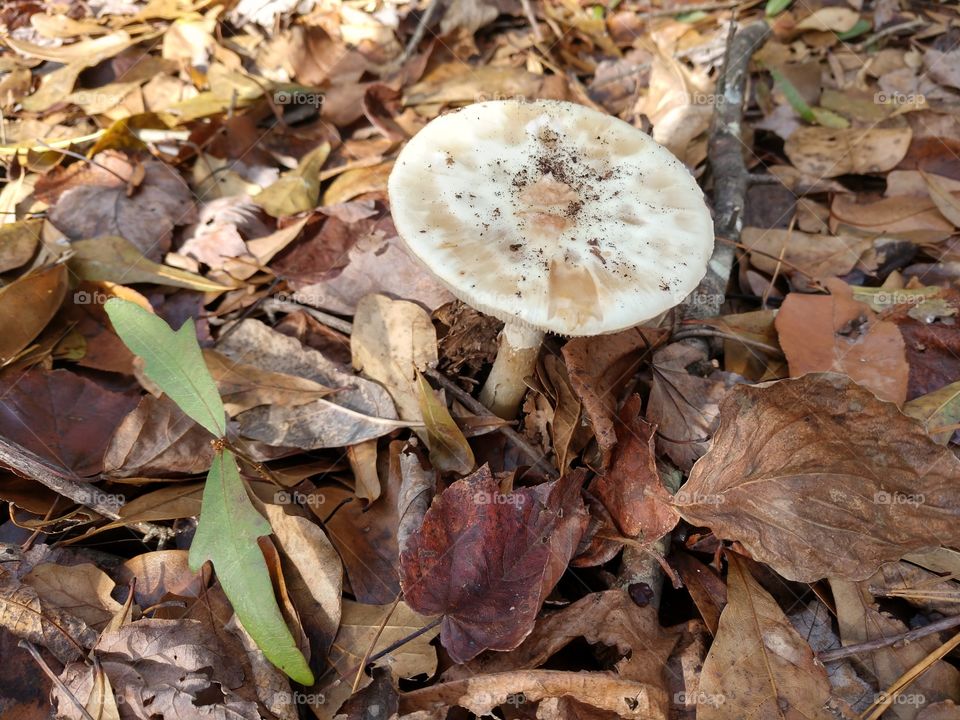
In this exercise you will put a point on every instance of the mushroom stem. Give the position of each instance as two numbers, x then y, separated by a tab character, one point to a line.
516	359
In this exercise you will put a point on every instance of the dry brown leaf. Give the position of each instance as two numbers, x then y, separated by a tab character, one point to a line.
391	339
819	256
759	666
480	695
835	333
313	574
27	305
81	590
609	618
825	152
817	477
915	219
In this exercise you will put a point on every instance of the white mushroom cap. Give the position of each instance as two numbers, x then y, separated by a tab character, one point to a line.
552	214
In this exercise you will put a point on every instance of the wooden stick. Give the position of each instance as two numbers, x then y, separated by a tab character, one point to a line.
880	643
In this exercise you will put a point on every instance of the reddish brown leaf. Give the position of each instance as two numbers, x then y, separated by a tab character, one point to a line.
836	333
62	417
598	368
487	559
817	477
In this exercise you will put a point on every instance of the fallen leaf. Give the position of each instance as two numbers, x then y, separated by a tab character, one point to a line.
946	202
939	409
836	333
63	417
313	574
817	477
91	201
81	590
27	305
598	368
684	406
116	259
297	190
829	19
631	490
789	251
475	555
827	152
449	449
480	695
758	664
391	340
18	243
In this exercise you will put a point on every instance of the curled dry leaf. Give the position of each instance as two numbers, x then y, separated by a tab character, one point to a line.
685	406
817	477
835	333
826	152
608	618
359	409
759	666
480	695
391	340
487	560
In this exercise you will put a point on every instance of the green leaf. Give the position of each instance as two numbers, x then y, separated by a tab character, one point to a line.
227	536
449	449
775	7
830	119
793	96
118	260
861	26
172	360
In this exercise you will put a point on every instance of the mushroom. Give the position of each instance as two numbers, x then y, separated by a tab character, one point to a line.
552	217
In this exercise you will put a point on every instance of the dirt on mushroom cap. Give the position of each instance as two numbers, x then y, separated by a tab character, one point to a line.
553	214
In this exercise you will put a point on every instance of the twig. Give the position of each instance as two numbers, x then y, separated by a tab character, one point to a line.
373	643
886	698
886	32
683	9
880	643
272	304
532	19
705	332
725	157
474	406
70	485
418	34
30	648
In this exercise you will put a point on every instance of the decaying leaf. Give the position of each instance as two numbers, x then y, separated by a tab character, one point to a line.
836	333
487	559
817	477
27	305
759	665
828	152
